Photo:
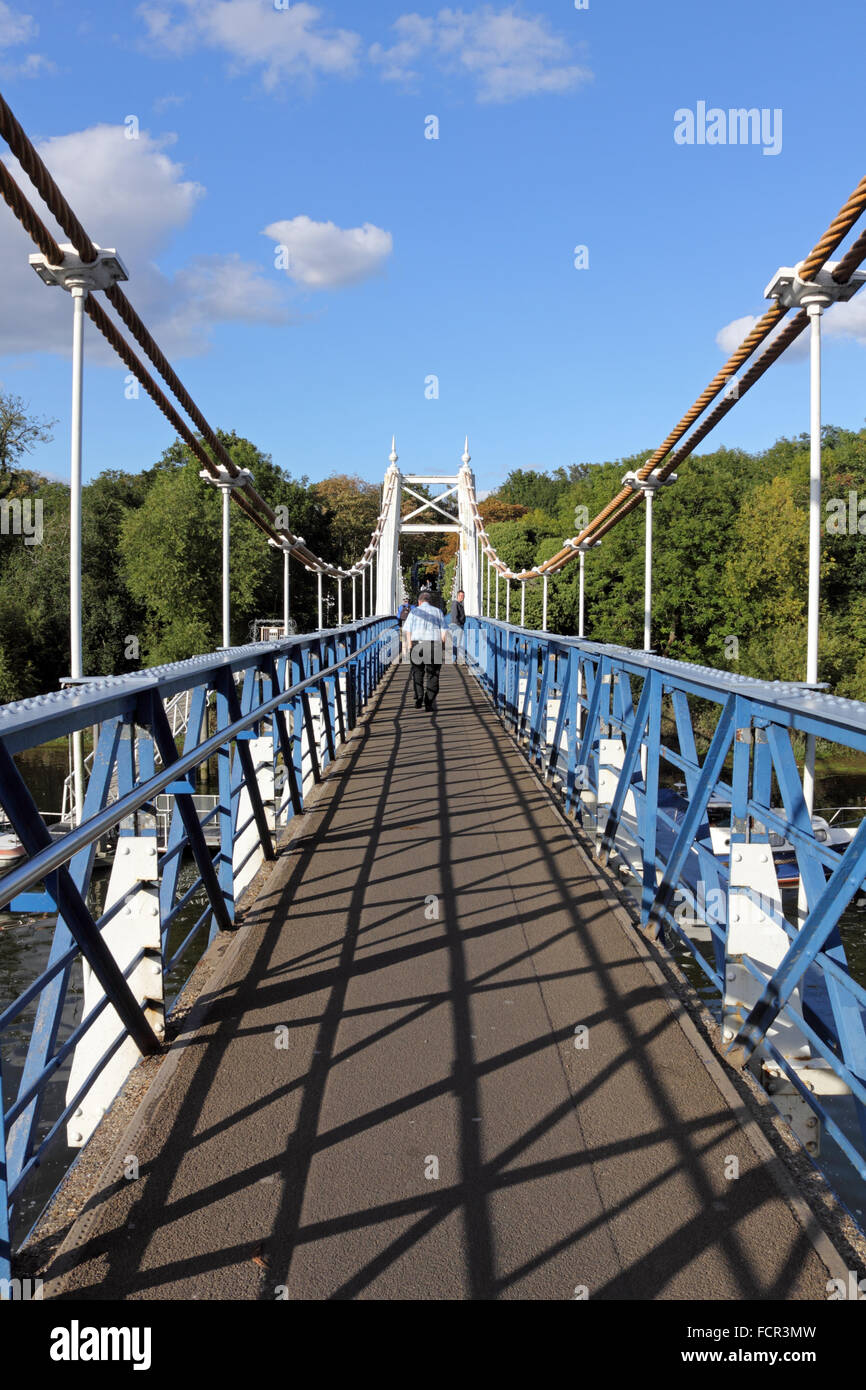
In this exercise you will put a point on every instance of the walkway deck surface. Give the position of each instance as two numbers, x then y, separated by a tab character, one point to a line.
305	1169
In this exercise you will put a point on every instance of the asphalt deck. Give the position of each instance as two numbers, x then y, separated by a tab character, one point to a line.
424	952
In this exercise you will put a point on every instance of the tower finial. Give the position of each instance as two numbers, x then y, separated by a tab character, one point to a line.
467	457
393	455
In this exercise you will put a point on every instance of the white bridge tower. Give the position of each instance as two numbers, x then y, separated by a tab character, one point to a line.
461	487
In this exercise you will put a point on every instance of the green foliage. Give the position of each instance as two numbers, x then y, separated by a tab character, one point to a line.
152	566
19	431
731	557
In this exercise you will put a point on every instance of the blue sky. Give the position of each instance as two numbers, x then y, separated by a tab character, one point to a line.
304	127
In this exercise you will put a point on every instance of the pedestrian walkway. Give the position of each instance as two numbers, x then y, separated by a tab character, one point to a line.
385	1099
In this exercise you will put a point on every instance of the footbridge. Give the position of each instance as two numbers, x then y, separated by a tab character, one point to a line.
434	1053
546	994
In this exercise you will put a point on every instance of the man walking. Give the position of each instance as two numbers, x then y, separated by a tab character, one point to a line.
458	622
425	630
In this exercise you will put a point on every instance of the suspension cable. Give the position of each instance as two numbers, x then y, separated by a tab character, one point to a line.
39	175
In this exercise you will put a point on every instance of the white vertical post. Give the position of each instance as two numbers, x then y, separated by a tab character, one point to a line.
339	603
508	600
580	633
470	575
523	603
580	607
75	642
648	572
649	494
226	482
286	591
497	595
354	601
319	578
488	583
227	612
814	310
76	649
544	608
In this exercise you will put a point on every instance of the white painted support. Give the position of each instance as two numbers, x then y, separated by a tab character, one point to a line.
248	845
227	483
76	669
648	572
580	632
814	309
753	933
814	296
470	578
611	756
135	929
389	542
286	592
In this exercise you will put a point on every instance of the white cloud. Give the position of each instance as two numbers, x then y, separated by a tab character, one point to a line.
847	320
733	333
507	54
283	43
15	29
414	36
323	256
162	104
130	195
839	321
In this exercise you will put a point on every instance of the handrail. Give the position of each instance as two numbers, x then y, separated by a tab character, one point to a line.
36	869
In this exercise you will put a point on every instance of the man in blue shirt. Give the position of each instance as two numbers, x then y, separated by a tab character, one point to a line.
425	630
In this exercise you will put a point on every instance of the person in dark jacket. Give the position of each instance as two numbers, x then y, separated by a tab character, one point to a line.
458	622
435	596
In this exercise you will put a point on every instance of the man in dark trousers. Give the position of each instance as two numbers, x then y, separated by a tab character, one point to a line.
425	630
458	622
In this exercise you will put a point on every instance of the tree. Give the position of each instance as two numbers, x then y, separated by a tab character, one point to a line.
353	507
19	432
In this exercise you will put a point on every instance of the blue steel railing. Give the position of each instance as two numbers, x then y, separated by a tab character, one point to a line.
305	693
609	726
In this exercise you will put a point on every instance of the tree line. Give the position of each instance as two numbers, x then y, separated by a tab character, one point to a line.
731	551
730	571
151	543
